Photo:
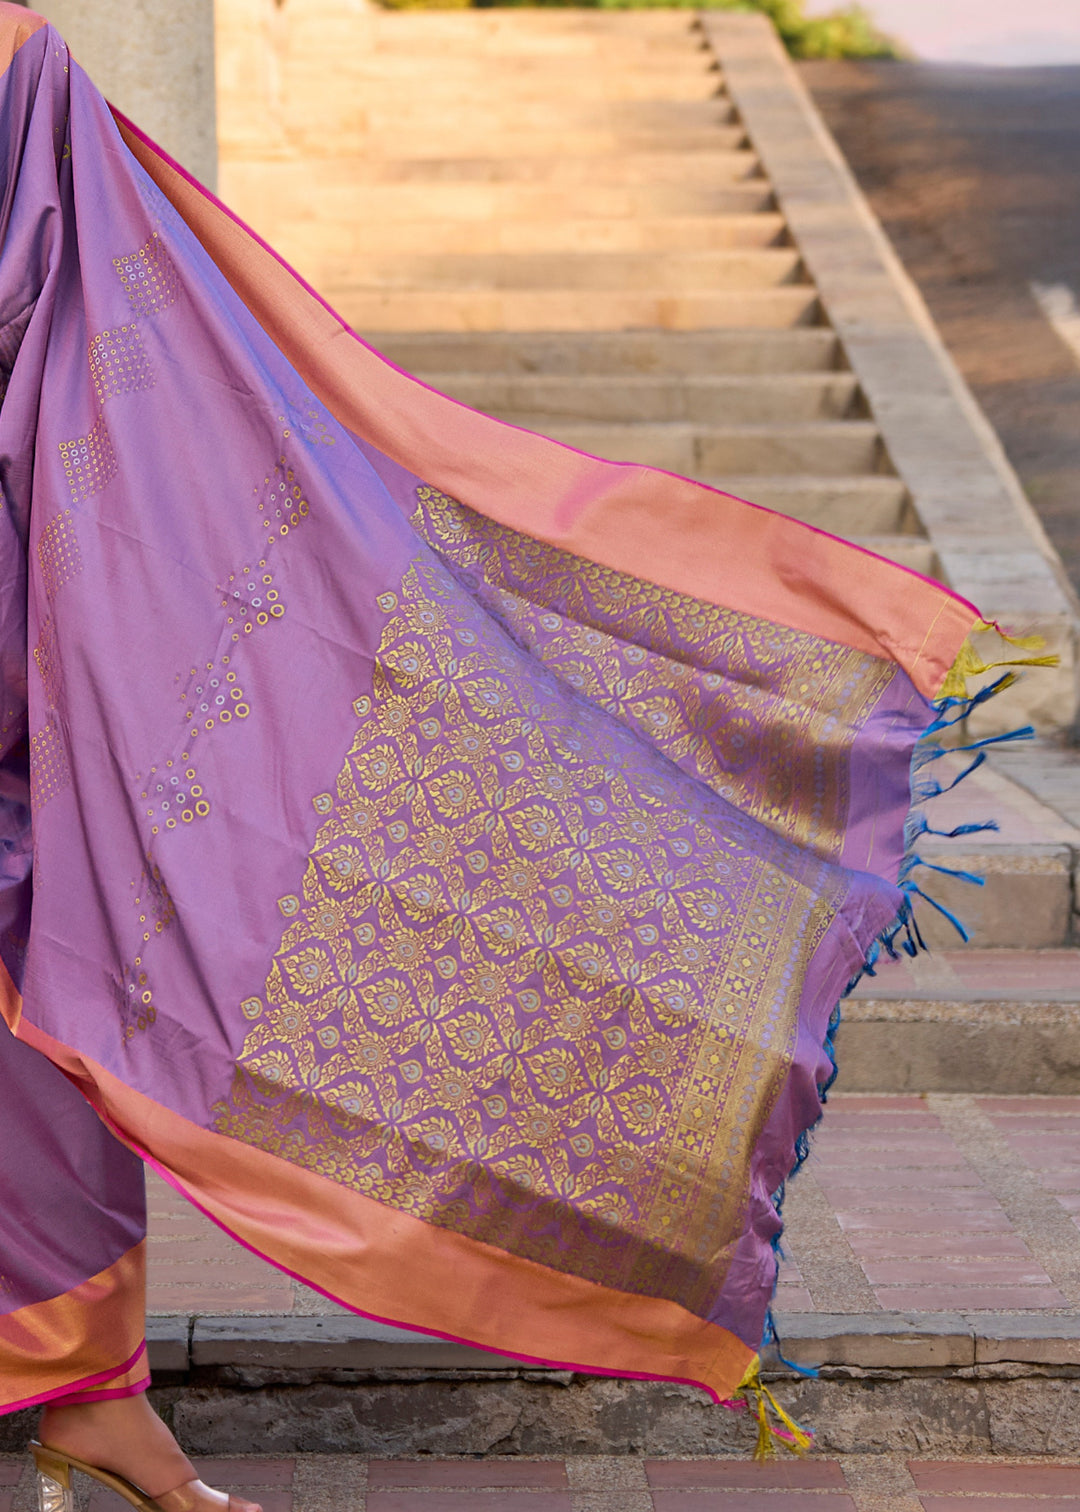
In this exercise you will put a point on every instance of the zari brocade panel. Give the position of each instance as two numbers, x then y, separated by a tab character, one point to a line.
537	986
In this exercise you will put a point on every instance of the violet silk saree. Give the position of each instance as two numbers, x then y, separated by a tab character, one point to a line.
437	851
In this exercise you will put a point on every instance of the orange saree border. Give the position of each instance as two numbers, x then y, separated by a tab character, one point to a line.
653	525
17	25
398	1269
87	1343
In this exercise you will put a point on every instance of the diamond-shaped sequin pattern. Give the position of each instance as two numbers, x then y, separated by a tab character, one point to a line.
47	657
89	461
148	276
49	770
119	364
58	553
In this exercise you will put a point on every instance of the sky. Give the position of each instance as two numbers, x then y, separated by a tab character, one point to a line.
1000	32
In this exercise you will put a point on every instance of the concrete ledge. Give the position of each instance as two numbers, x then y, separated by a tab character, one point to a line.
986	535
920	1046
339	1342
1028	1340
287	1348
168	1344
893	1341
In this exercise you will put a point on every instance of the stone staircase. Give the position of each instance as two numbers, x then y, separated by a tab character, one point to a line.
558	217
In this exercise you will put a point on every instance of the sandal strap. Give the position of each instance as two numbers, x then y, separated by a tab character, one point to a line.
195	1496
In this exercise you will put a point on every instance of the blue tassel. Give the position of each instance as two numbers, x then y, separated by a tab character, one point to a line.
770	1336
919	825
934	789
933	902
933	752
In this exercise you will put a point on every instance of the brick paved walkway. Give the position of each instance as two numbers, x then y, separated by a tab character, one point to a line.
861	1483
942	1203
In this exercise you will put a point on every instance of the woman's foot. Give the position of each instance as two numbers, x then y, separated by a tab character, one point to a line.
125	1435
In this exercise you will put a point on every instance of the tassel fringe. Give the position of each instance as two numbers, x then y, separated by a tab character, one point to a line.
970	664
952	706
775	1426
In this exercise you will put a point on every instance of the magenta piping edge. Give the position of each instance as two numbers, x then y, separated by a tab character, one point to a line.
75	1387
107	1396
635	466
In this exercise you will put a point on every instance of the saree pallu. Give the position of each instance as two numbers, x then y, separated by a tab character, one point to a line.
437	851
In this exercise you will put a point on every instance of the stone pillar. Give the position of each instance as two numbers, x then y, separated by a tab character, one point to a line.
154	60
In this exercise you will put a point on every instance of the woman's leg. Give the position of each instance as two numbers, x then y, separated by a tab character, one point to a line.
73	1279
72	1245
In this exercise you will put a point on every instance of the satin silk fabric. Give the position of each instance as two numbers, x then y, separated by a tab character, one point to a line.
447	849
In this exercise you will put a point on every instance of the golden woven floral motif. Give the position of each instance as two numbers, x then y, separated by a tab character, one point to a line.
539	985
764	714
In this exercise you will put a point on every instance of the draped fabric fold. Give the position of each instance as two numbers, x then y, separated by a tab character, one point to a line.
437	851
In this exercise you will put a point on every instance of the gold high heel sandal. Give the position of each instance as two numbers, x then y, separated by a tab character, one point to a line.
56	1491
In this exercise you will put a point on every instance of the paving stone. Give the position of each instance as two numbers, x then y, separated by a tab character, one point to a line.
1001	1503
468	1501
764	1500
252	1470
936	1246
953	1298
612	1501
1000	1479
488	1474
904	1272
784	1475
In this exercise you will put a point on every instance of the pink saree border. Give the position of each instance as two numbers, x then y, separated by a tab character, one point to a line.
81	1327
361	1254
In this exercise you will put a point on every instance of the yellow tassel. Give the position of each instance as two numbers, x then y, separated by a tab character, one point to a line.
801	1440
970	664
764	1449
759	1398
1025	642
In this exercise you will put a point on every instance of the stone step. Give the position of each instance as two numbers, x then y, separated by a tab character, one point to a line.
825	448
1048	769
338	117
562	310
306	195
469	141
628	399
674	234
531	115
604	44
625	169
669	117
1028	862
607	49
534	26
496	72
614	354
387	79
992	1021
614	272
